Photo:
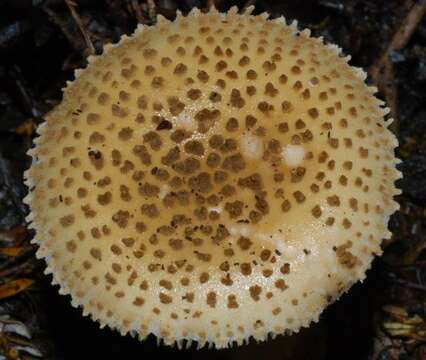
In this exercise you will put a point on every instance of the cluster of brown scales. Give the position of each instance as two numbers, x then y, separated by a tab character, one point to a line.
212	179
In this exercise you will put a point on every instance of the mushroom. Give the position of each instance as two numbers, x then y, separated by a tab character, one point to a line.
212	179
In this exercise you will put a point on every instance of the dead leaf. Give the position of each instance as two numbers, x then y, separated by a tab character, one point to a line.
27	128
14	236
14	287
11	251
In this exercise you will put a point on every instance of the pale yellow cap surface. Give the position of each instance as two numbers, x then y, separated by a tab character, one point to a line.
215	178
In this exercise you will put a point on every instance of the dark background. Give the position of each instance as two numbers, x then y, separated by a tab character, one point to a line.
43	41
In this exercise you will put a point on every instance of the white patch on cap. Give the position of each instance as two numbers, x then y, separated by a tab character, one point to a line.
164	189
186	120
218	209
251	147
239	230
293	155
276	239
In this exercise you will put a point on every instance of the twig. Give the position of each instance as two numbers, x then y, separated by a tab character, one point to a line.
27	101
152	10
72	5
382	71
412	266
409	284
138	11
409	25
63	26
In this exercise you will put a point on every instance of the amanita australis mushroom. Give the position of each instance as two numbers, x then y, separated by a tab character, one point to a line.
215	178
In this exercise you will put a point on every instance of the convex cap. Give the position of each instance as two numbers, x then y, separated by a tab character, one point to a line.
215	178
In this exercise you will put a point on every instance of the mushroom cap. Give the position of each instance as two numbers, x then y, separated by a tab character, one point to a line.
214	178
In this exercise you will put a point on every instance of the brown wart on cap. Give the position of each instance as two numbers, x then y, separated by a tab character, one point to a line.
212	179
